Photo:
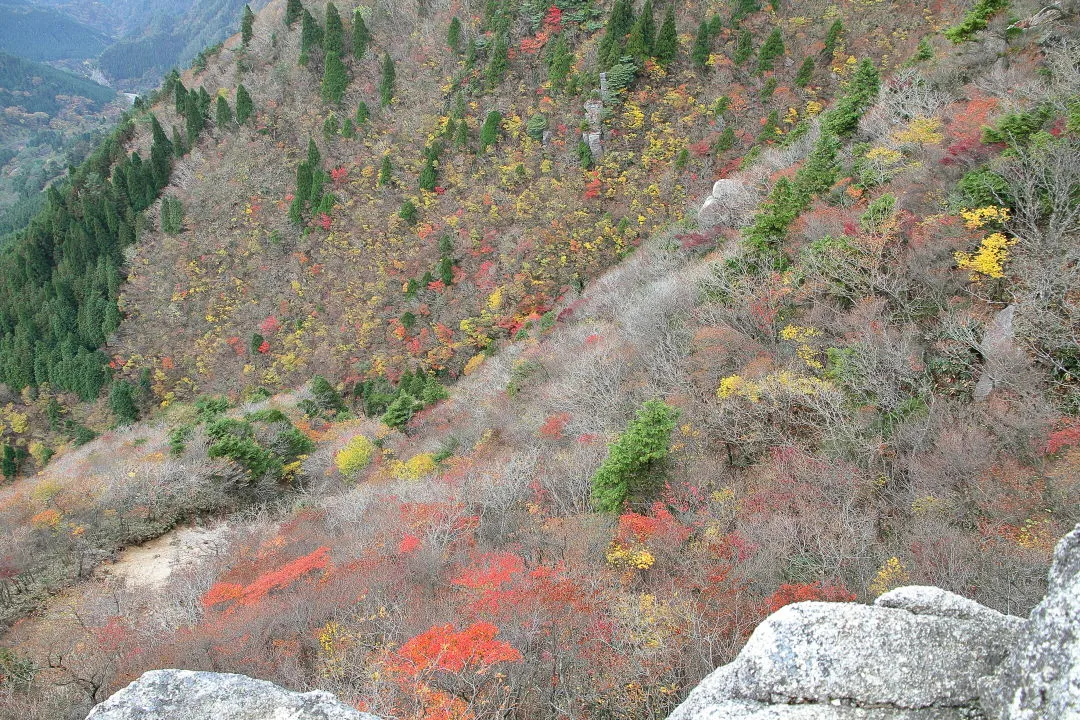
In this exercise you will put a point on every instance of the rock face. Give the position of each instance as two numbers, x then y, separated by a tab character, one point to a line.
729	203
916	649
1041	676
998	351
919	653
187	695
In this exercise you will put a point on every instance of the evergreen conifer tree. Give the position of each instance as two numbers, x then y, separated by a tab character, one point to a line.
348	130
633	469
386	86
744	47
122	402
194	117
314	158
498	62
559	62
832	37
158	134
204	102
361	37
429	175
648	26
293	10
667	40
247	25
334	39
311	36
702	45
180	95
178	143
461	135
636	47
223	117
806	73
362	113
407	212
335	79
489	132
453	35
772	48
244	106
385	172
621	20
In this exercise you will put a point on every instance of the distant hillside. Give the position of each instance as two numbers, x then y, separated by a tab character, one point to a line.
36	87
139	61
38	33
120	18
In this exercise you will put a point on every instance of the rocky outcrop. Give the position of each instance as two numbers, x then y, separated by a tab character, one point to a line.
916	649
187	695
1041	676
917	653
729	203
1000	354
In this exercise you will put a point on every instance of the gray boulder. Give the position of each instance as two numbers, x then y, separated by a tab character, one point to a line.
730	203
187	695
1000	354
1041	677
917	653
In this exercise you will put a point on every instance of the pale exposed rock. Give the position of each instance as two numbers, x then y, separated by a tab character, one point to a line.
930	600
998	351
752	710
729	203
1041	677
919	649
187	695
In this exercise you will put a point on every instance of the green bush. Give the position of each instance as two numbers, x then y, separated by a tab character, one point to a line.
632	471
976	19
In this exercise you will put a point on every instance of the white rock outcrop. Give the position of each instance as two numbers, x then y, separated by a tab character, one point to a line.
919	653
729	203
1041	677
188	695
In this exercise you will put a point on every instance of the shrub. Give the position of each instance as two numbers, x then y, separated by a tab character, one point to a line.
536	126
772	48
355	456
489	132
631	471
976	19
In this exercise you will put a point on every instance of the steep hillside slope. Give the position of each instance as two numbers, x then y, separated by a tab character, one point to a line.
560	445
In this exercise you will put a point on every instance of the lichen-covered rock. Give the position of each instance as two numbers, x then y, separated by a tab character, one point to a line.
187	695
1041	677
930	600
917	649
729	203
753	710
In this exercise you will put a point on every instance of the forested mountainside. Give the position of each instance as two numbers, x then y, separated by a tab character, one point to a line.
415	308
49	122
37	33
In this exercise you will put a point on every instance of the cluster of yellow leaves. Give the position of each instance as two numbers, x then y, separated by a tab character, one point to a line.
17	421
474	362
355	456
920	131
637	558
981	217
753	390
989	259
804	351
891	574
414	468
